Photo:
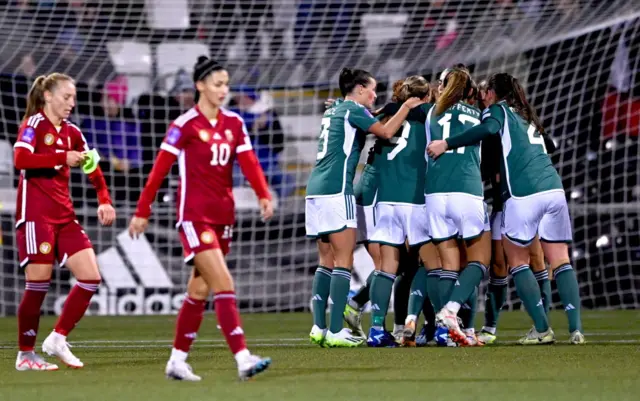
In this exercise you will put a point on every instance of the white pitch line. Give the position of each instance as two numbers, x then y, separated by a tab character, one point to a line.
166	345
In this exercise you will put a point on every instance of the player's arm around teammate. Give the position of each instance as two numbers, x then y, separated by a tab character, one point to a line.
536	203
330	203
46	227
206	140
454	203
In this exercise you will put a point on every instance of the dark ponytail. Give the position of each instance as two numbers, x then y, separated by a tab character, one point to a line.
508	88
349	79
202	69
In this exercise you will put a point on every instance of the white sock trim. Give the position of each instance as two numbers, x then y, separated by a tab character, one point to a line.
453	306
178	355
491	330
410	318
241	356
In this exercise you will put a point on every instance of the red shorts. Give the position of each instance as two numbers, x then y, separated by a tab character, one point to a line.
198	237
47	243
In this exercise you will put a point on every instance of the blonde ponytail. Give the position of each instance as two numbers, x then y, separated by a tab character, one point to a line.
42	84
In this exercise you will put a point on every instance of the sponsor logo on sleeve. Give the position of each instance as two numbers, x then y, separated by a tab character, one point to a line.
173	136
28	135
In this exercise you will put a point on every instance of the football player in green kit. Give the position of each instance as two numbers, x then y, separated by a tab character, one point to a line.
496	295
330	213
455	204
534	203
399	207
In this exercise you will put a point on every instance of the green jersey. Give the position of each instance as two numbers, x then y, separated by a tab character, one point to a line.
341	140
367	186
458	170
402	165
526	167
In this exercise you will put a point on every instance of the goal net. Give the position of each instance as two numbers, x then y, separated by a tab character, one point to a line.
578	59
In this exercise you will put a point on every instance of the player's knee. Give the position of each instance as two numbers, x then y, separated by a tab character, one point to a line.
198	289
38	272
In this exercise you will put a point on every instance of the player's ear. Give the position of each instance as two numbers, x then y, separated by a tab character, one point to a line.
47	96
200	86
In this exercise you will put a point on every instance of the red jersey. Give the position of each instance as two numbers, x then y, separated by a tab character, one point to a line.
43	189
206	151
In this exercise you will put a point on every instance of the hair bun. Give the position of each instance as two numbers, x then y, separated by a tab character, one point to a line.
346	72
202	59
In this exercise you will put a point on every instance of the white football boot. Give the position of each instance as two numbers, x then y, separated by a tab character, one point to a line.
180	370
29	360
56	345
250	365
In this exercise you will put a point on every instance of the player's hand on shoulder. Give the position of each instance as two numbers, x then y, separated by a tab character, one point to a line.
266	209
413	102
75	158
437	148
137	226
106	214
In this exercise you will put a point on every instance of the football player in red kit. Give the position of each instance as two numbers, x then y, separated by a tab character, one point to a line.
205	141
46	227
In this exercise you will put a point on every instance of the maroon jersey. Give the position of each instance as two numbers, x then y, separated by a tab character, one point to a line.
206	151
43	193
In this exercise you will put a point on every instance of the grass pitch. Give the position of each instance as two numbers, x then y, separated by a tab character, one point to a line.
125	357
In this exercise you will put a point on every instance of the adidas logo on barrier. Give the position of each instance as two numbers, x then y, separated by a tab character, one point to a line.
128	271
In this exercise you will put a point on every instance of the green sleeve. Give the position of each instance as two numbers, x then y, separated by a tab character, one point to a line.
496	112
474	135
361	118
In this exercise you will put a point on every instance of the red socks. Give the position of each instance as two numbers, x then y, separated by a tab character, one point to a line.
76	305
188	323
229	320
29	313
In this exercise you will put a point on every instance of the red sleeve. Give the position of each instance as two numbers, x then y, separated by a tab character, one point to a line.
24	159
253	171
98	182
160	169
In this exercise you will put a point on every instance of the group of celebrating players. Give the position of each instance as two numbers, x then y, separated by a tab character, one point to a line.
406	204
206	140
419	209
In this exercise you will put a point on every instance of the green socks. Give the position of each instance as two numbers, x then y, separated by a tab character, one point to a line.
496	297
542	277
467	282
445	285
381	287
529	294
569	292
340	282
433	288
418	292
360	298
320	291
468	310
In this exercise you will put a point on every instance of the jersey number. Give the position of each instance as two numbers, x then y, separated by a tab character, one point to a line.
220	154
400	142
445	123
324	138
535	140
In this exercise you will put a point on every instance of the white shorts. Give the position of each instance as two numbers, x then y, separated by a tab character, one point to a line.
455	215
329	214
545	214
365	215
396	223
496	225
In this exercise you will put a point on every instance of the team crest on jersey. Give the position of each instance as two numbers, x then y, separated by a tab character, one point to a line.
206	237
228	134
49	139
45	248
204	135
28	135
